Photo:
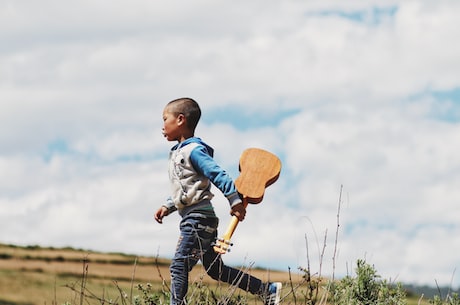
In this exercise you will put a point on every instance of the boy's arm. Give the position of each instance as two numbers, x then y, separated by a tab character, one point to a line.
207	166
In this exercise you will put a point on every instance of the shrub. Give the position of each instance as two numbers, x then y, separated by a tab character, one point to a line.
453	299
366	288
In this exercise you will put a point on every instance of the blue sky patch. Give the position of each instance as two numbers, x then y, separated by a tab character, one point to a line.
244	120
60	147
373	16
56	147
453	95
447	107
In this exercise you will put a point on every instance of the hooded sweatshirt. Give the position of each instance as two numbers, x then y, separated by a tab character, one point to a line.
192	169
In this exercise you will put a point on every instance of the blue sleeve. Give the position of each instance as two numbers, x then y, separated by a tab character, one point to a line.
204	164
169	205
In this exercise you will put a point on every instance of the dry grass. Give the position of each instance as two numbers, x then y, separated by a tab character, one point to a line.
30	275
36	276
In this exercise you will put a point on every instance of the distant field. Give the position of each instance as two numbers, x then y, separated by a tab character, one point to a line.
35	275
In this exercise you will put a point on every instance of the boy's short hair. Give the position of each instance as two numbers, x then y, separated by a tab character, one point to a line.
189	108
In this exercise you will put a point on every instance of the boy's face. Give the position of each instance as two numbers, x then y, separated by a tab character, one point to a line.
172	125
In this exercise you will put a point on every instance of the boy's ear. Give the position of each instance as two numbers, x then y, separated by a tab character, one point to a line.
181	119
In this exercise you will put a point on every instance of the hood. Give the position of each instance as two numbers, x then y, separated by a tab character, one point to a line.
195	140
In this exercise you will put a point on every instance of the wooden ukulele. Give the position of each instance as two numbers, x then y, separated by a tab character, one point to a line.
258	169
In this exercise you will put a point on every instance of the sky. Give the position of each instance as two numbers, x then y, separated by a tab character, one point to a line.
359	99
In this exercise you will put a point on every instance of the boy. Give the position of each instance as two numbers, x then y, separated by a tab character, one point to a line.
192	169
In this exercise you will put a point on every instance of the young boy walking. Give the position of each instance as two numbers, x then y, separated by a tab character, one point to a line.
192	169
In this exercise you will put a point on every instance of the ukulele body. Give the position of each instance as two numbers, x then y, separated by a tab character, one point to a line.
258	169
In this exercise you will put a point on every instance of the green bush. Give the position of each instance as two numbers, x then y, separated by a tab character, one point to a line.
453	299
366	289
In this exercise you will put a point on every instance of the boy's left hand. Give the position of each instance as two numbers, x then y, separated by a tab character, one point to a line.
160	213
239	211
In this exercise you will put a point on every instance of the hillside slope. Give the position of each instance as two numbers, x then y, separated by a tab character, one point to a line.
36	275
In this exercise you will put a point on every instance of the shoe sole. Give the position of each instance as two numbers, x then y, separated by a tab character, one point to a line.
278	293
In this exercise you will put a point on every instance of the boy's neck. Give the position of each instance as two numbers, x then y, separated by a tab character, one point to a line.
185	137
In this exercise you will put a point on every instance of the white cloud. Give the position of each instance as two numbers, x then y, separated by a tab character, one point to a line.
83	162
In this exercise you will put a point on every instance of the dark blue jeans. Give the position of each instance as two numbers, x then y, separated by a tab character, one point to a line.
197	233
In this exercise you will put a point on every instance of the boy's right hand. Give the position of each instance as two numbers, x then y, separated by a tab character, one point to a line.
239	211
161	212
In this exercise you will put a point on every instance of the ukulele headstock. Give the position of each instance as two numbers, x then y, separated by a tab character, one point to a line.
222	246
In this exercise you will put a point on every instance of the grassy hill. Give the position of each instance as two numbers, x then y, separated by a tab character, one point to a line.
35	275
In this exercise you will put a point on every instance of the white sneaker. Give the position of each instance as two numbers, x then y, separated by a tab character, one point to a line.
273	294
